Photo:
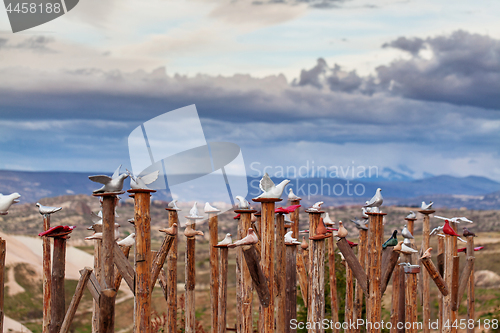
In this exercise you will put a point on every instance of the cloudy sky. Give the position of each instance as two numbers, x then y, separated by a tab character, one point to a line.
409	85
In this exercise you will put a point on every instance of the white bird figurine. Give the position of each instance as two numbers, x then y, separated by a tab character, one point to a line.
436	230
110	184
411	215
289	239
242	202
327	219
376	201
98	234
406	233
407	250
8	200
193	213
365	210
249	239
226	241
292	196
210	209
173	205
426	206
270	189
46	210
142	182
316	207
127	241
454	219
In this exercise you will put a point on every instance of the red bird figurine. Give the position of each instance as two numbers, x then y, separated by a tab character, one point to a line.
447	229
292	208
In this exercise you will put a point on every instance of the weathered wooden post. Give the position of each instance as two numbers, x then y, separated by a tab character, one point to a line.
362	252
302	270
213	225
411	272
470	292
173	218
2	280
440	267
426	293
334	305
290	286
395	298
349	299
46	276
244	286
374	301
222	292
448	272
266	317
142	218
80	288
280	270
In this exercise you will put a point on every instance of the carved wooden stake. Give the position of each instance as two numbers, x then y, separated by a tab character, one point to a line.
142	218
58	272
411	298
470	293
434	274
98	275
2	280
448	271
302	273
426	292
213	227
313	224
107	306
391	263
159	258
454	286
349	301
266	318
280	273
362	251
80	287
172	276
374	301
46	276
118	275
222	292
463	281
190	273
260	282
402	300
294	217
395	298
291	287
317	277
244	287
455	276
333	284
440	268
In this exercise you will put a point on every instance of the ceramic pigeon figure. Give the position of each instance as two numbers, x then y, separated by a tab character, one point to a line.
226	241
46	210
190	232
292	196
411	215
98	235
467	232
173	205
270	190
406	233
342	232
110	184
327	220
365	210
289	239
427	253
316	207
304	245
448	230
249	239
393	241
454	219
376	201
360	224
193	213
242	202
426	206
210	209
407	250
57	230
140	183
127	241
8	200
436	230
172	231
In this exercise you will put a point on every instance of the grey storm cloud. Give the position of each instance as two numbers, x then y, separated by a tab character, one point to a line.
311	3
34	43
412	45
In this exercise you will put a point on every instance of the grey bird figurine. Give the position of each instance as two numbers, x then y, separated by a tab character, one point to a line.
376	201
242	202
292	196
110	184
46	210
141	183
467	232
173	205
360	224
411	215
270	189
406	233
6	201
426	206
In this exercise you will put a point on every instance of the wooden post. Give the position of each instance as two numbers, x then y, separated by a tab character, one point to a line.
448	271
374	301
317	275
333	284
107	307
2	280
411	298
98	275
302	274
362	252
172	276
244	287
260	282
118	276
313	224
434	274
80	288
294	217
440	267
351	260
463	281
190	276
470	293
142	218
290	287
426	292
46	276
159	258
395	298
402	300
349	299
266	318
213	227
222	292
455	276
391	263
58	272
280	273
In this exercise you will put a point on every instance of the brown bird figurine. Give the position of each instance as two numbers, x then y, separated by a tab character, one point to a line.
342	232
172	231
304	244
190	232
398	247
249	239
427	253
467	232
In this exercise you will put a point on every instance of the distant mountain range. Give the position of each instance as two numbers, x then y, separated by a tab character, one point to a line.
472	192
